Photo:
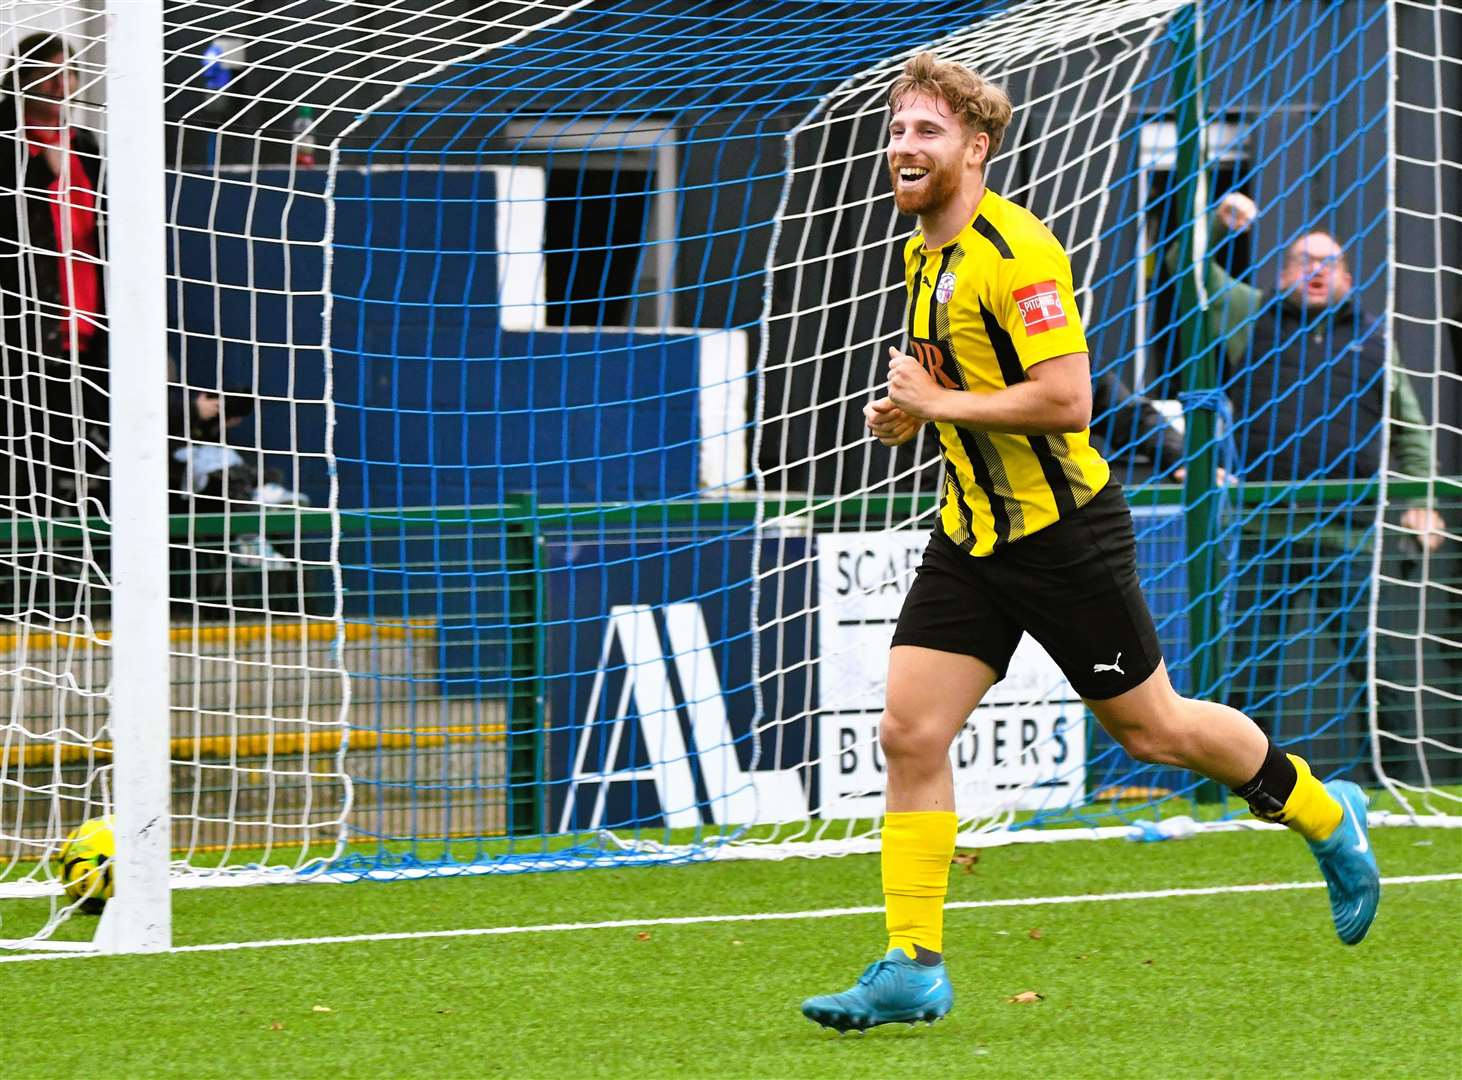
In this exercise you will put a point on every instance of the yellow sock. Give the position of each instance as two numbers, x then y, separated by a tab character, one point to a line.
1310	810
917	849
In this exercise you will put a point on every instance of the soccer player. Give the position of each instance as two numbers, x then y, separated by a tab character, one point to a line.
1033	536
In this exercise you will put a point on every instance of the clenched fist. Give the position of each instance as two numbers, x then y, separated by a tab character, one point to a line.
890	425
912	388
1237	211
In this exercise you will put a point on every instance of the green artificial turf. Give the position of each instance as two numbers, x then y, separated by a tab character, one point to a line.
1226	985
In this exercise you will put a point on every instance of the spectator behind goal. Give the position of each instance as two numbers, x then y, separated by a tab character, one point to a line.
1305	368
207	474
53	446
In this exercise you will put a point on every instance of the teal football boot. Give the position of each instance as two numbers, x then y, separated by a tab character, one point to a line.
1349	865
893	990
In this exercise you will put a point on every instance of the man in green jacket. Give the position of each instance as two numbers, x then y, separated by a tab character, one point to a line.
1305	370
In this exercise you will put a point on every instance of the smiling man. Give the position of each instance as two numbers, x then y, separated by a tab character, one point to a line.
1033	536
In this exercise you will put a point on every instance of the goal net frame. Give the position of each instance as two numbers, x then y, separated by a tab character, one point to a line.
723	791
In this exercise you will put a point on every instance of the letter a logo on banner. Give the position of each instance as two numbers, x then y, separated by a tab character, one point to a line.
648	696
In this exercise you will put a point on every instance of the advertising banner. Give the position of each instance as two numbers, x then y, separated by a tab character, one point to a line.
1023	748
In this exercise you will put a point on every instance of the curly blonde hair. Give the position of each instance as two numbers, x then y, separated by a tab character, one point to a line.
979	103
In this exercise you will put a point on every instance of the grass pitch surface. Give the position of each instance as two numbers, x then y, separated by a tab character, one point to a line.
1223	985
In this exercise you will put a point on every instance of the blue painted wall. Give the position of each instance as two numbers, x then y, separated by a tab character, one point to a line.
436	404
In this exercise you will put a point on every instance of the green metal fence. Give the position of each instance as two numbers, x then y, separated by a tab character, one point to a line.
443	640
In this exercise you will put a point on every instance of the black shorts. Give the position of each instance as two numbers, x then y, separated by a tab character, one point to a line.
1072	586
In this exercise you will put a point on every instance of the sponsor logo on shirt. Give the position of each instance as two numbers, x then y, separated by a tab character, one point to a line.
936	360
1040	307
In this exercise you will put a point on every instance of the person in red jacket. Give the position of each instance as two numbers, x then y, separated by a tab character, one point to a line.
53	453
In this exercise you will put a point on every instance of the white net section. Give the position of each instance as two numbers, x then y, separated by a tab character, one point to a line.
1426	266
263	659
1072	83
55	593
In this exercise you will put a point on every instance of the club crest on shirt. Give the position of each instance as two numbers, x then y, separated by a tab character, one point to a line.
1040	307
945	289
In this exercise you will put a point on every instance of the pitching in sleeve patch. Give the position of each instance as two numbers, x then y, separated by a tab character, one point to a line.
1040	307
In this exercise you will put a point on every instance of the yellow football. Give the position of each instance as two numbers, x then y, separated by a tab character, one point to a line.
86	863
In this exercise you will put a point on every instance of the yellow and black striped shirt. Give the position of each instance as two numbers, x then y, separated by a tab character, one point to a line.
983	309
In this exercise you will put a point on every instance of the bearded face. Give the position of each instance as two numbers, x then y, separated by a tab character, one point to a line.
927	156
924	186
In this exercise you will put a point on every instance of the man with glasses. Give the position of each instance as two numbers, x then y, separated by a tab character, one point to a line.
1305	369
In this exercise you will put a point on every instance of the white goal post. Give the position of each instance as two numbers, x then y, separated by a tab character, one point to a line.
139	917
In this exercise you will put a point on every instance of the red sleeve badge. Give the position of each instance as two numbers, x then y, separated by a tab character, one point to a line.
1040	307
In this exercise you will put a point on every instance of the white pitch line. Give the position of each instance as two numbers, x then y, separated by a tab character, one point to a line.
765	916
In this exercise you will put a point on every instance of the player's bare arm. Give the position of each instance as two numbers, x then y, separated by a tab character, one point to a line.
1056	397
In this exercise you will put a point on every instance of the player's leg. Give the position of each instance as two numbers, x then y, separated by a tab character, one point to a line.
1154	723
951	645
930	695
1078	583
